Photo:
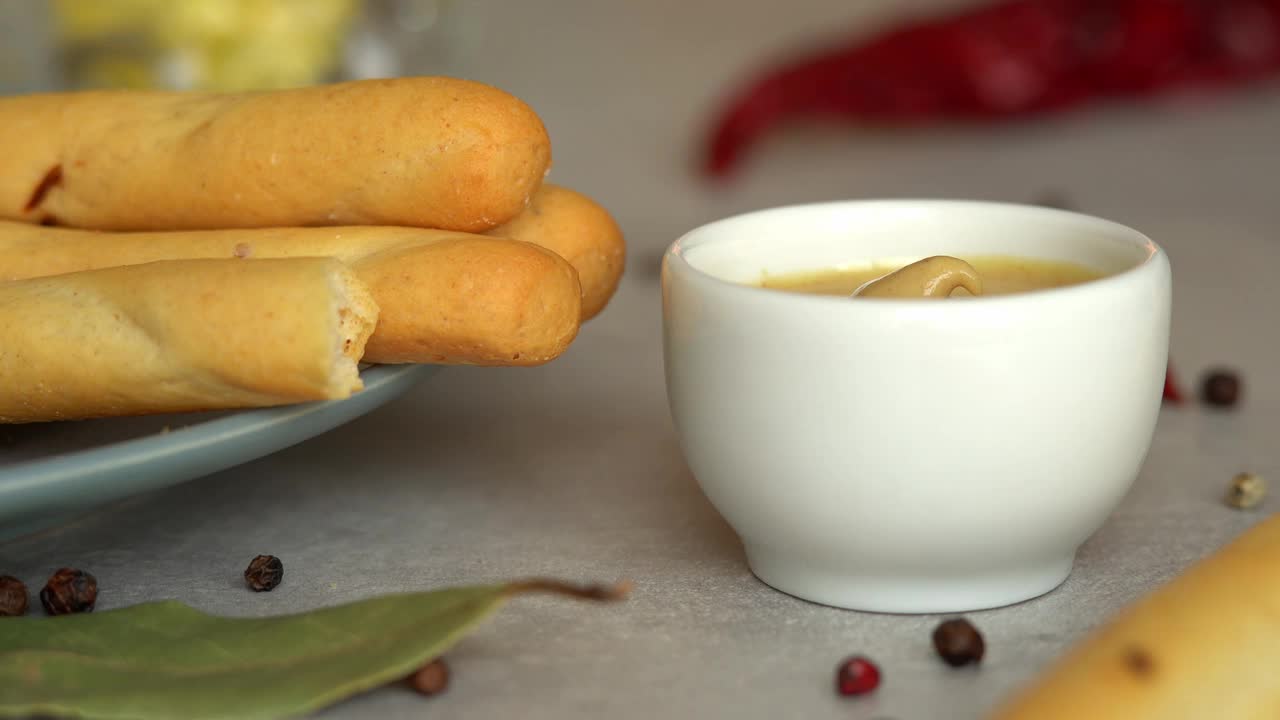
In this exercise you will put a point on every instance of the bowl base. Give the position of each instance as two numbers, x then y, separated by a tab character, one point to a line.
906	594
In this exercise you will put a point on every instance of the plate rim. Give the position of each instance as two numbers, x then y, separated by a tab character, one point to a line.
28	485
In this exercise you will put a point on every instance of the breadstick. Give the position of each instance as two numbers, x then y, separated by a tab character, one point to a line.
1205	645
180	336
444	297
580	231
425	152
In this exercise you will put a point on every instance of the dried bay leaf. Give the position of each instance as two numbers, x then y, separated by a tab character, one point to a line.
166	659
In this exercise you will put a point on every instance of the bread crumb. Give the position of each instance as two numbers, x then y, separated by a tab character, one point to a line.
242	250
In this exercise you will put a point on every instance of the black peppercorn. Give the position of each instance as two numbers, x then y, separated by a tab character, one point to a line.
264	573
1220	388
69	591
958	642
13	597
432	679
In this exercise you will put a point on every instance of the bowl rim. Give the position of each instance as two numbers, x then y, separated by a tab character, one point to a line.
1155	262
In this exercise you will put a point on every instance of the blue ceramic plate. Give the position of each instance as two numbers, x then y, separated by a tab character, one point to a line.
53	471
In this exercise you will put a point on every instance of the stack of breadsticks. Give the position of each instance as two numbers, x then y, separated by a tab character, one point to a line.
171	252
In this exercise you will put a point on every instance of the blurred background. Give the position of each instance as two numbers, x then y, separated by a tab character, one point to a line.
631	92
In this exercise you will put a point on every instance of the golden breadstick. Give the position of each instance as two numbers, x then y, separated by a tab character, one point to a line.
425	152
580	231
180	336
444	297
1205	645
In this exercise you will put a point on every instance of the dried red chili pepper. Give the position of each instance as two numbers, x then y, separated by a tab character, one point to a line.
1011	60
1171	392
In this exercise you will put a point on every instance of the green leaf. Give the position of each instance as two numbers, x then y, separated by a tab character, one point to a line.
166	659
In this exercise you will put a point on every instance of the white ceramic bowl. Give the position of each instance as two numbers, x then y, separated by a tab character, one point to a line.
909	455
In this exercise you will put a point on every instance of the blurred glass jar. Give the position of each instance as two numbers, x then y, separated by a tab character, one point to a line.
200	44
233	45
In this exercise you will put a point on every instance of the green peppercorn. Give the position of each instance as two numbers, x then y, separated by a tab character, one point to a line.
1246	490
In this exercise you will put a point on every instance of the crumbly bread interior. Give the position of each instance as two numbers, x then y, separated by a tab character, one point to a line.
355	316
